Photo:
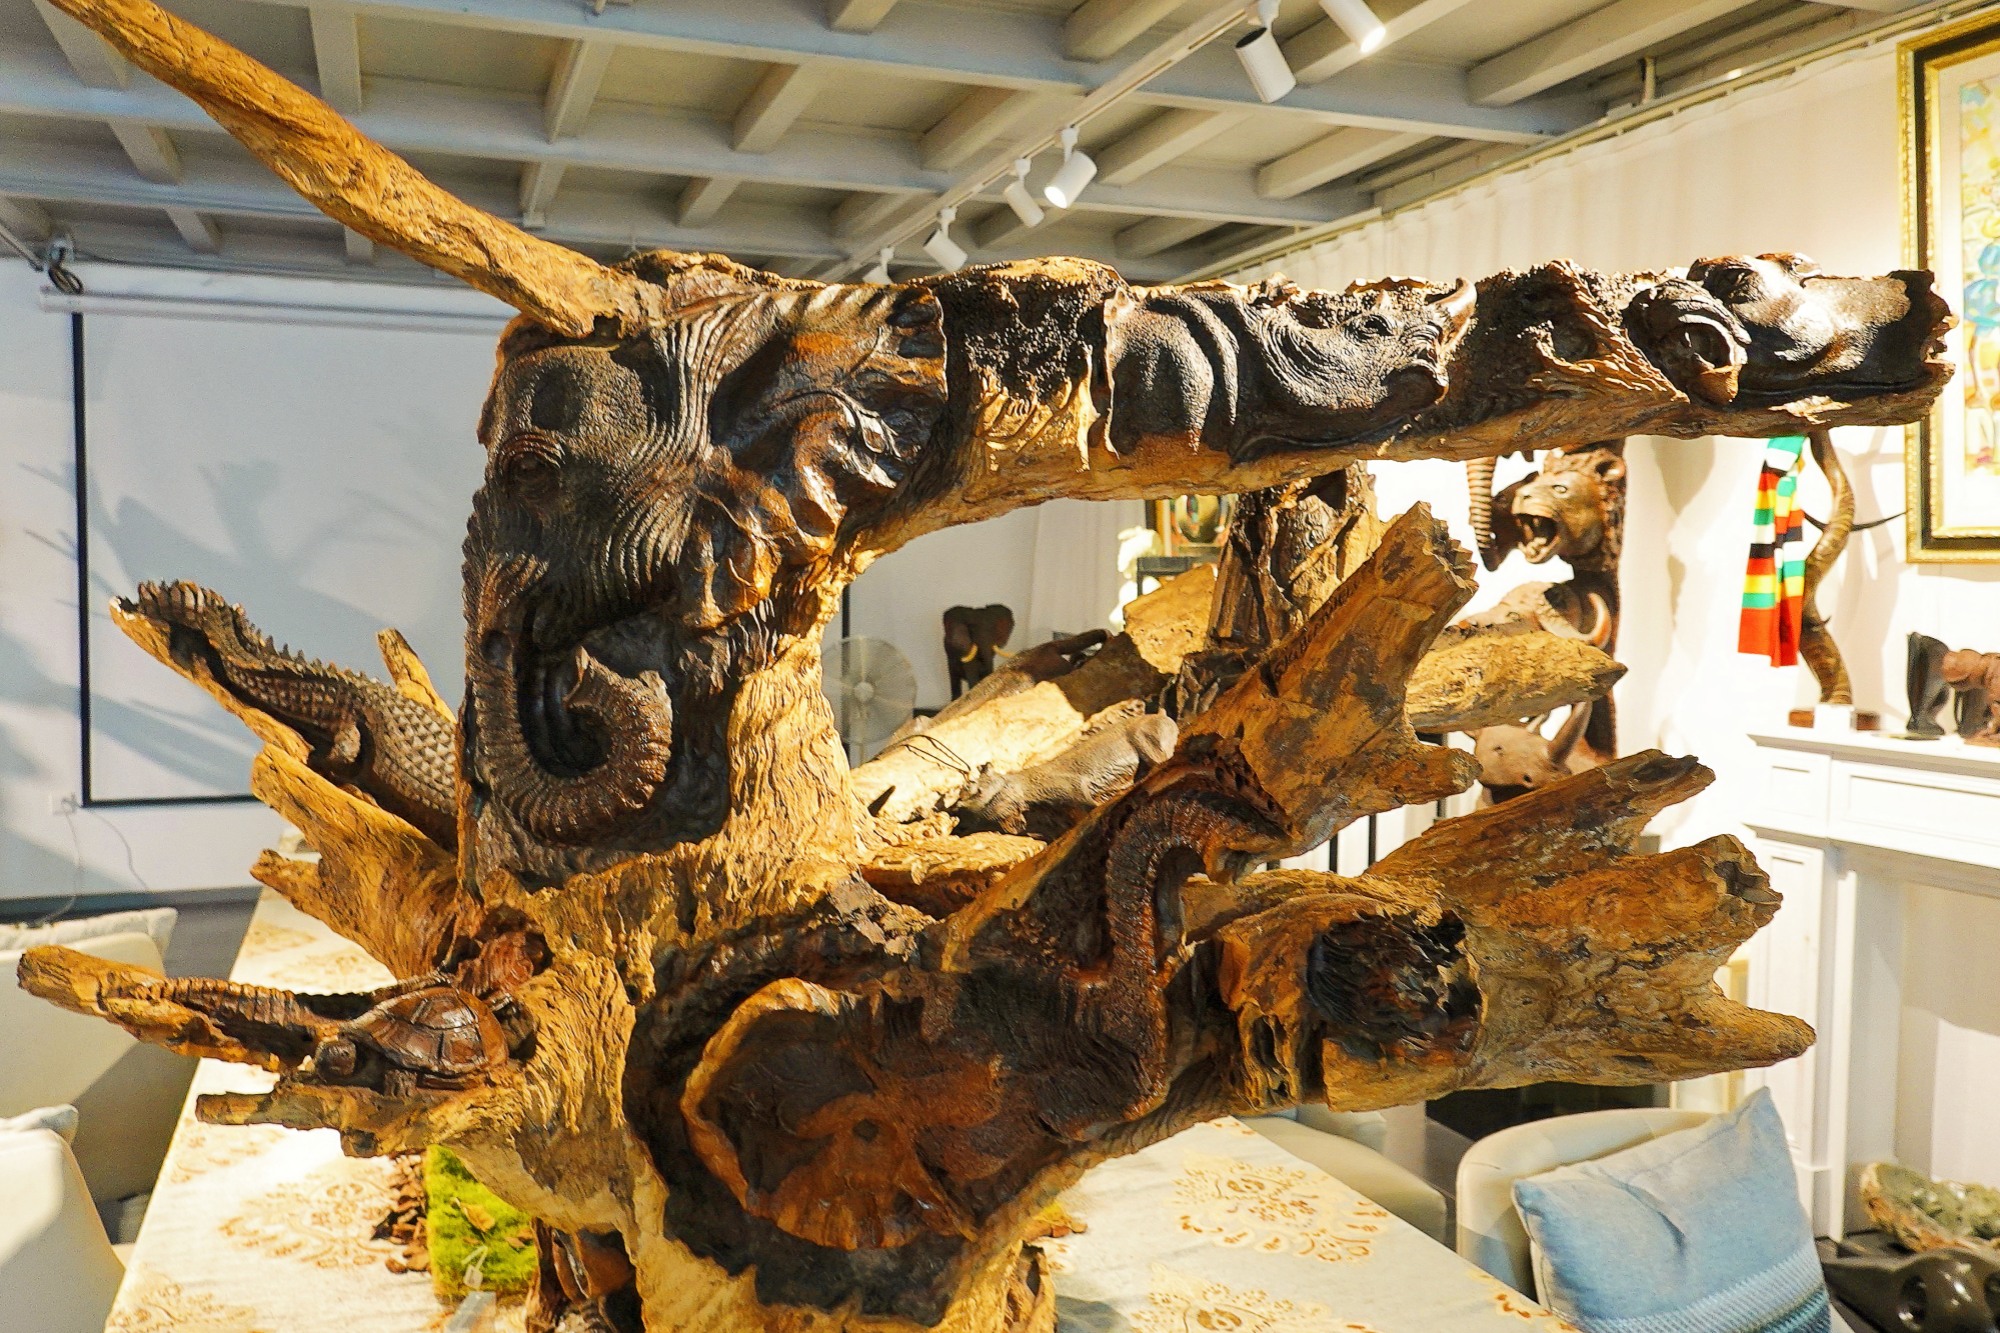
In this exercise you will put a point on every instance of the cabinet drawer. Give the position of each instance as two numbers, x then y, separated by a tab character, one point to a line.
1793	790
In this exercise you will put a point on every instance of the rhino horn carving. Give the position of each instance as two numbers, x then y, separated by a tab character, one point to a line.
359	183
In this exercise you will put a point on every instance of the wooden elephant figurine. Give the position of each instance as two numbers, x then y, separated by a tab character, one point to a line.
972	635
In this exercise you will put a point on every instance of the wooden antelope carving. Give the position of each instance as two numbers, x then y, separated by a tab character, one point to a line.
794	1102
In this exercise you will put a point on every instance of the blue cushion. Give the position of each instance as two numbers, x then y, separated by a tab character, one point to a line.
1695	1232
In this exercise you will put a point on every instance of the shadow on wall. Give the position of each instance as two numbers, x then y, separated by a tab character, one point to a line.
165	724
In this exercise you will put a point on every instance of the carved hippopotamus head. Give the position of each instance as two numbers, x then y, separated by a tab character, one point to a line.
1765	328
1318	366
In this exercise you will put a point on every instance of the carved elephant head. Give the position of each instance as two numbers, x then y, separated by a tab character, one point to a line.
972	636
650	505
1770	327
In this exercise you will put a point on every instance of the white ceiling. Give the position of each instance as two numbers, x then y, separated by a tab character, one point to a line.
798	134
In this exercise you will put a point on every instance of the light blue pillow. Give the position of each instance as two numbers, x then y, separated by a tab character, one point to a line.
1694	1232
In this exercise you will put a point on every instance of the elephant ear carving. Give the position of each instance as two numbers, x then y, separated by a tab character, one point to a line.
811	430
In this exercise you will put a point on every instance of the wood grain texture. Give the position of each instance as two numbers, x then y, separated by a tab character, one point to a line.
813	1060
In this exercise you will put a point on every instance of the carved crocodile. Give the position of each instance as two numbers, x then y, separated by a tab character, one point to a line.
365	734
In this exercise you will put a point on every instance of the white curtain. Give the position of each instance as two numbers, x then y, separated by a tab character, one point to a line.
1073	579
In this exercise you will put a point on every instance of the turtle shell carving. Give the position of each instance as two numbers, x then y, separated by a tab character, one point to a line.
439	1031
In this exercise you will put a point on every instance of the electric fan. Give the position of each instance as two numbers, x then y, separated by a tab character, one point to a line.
872	689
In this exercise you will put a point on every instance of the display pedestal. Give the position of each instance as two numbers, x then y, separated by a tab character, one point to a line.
1848	825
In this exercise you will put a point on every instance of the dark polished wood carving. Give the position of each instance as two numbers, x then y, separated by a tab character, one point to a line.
675	984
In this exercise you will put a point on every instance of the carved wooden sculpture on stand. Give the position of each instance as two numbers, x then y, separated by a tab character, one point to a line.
1573	508
653	994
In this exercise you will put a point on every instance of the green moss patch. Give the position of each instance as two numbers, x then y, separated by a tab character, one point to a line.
464	1220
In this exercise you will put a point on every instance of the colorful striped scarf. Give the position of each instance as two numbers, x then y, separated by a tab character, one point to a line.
1774	583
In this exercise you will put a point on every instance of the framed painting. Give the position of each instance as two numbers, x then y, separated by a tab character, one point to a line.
1951	159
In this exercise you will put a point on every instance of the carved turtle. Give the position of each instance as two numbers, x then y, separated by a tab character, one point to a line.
438	1034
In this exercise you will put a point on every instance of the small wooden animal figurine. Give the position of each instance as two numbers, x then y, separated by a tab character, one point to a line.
1049	798
1929	690
972	636
1975	676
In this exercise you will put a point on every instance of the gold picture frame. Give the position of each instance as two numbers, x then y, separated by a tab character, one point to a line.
1950	93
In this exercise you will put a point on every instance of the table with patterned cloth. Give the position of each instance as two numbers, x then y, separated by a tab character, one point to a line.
268	1230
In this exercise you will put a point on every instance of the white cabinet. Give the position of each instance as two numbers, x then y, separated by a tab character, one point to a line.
1843	822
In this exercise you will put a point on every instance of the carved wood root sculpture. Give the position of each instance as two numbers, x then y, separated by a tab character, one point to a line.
654	997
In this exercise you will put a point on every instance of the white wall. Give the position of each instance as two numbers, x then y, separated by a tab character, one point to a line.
320	474
1807	163
289	463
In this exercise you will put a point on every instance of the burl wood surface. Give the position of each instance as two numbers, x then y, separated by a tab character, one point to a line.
765	1026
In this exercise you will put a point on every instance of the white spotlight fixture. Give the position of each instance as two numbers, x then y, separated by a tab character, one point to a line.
1076	172
948	253
1269	74
1017	196
1358	21
880	273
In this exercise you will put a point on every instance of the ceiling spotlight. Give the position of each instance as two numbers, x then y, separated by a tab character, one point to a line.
880	273
1017	196
1077	171
1262	60
1359	22
948	253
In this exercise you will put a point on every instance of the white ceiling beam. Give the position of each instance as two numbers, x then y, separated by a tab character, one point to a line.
980	117
1169	135
573	88
778	99
1100	29
200	232
1324	49
95	63
1339	154
1142	240
336	38
98	67
1001	46
1620	29
702	198
998	230
415	117
152	153
28	220
358	249
1877	6
539	183
860	213
234	186
857	15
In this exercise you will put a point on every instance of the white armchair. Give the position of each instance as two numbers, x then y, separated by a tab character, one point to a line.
58	1273
127	1094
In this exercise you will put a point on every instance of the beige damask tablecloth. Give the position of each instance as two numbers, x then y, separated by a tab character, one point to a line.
1218	1230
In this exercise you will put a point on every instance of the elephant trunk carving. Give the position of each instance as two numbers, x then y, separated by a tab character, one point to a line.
571	747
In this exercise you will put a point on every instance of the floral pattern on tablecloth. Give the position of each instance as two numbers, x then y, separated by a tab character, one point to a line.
1219	1230
1295	1209
325	1218
150	1303
1178	1303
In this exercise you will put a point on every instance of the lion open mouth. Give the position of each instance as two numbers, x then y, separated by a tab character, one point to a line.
1539	534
